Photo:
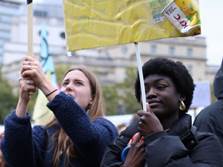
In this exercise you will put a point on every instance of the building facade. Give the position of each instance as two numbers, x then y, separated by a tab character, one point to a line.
8	11
109	63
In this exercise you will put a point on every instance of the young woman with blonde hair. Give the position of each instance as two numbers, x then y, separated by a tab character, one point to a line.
79	134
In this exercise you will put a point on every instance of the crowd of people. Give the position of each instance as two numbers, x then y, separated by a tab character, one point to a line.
80	135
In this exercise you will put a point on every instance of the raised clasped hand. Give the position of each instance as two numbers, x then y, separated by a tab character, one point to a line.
27	89
31	69
148	122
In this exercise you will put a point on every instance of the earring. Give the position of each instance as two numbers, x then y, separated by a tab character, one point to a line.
182	106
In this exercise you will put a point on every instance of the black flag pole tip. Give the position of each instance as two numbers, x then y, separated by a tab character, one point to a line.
29	1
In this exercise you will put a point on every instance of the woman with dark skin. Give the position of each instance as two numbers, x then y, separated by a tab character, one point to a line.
163	136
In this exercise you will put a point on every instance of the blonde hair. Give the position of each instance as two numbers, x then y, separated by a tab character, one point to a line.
96	109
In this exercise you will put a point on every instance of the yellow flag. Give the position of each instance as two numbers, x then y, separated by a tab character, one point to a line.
42	115
95	23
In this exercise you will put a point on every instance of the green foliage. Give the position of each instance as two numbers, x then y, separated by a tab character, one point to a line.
32	102
213	98
120	97
128	92
7	99
111	99
60	71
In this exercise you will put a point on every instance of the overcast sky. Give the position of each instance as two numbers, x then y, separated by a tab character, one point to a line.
211	22
212	28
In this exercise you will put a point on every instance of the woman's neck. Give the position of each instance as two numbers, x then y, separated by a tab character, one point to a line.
168	122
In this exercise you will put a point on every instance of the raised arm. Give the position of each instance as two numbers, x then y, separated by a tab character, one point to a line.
69	107
89	137
17	145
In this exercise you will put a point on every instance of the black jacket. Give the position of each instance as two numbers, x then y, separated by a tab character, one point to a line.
210	118
182	146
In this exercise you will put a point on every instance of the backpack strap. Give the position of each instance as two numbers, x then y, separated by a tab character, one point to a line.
188	138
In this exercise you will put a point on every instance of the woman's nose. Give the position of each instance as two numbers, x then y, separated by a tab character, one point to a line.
151	93
69	87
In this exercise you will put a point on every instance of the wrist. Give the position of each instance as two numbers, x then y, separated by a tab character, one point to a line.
22	103
50	93
46	87
21	108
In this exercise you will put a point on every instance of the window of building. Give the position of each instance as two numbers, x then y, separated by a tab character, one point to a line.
40	13
4	26
172	50
4	35
190	68
5	18
189	52
124	49
153	48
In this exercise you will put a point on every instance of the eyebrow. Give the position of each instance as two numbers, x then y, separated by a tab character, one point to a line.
157	81
65	80
74	80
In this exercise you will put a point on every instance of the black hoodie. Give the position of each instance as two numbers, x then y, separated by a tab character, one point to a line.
218	83
210	119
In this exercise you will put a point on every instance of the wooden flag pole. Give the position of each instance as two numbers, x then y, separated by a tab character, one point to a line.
30	27
141	79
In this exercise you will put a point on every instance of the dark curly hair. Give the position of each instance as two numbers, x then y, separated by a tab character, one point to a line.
176	71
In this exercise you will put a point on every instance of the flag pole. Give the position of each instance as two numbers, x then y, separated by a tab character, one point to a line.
141	78
30	27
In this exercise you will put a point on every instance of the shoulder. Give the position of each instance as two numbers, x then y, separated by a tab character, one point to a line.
207	139
104	123
14	119
216	106
44	130
15	124
202	136
211	111
39	129
39	133
209	146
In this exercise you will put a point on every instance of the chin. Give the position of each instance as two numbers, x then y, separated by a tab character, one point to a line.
159	113
156	111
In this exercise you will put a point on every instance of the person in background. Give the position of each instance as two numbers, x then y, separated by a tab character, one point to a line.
163	135
2	161
210	118
76	138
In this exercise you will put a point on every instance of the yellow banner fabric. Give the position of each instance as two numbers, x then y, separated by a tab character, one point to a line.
96	23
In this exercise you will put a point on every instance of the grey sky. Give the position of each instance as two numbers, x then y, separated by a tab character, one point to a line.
212	28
